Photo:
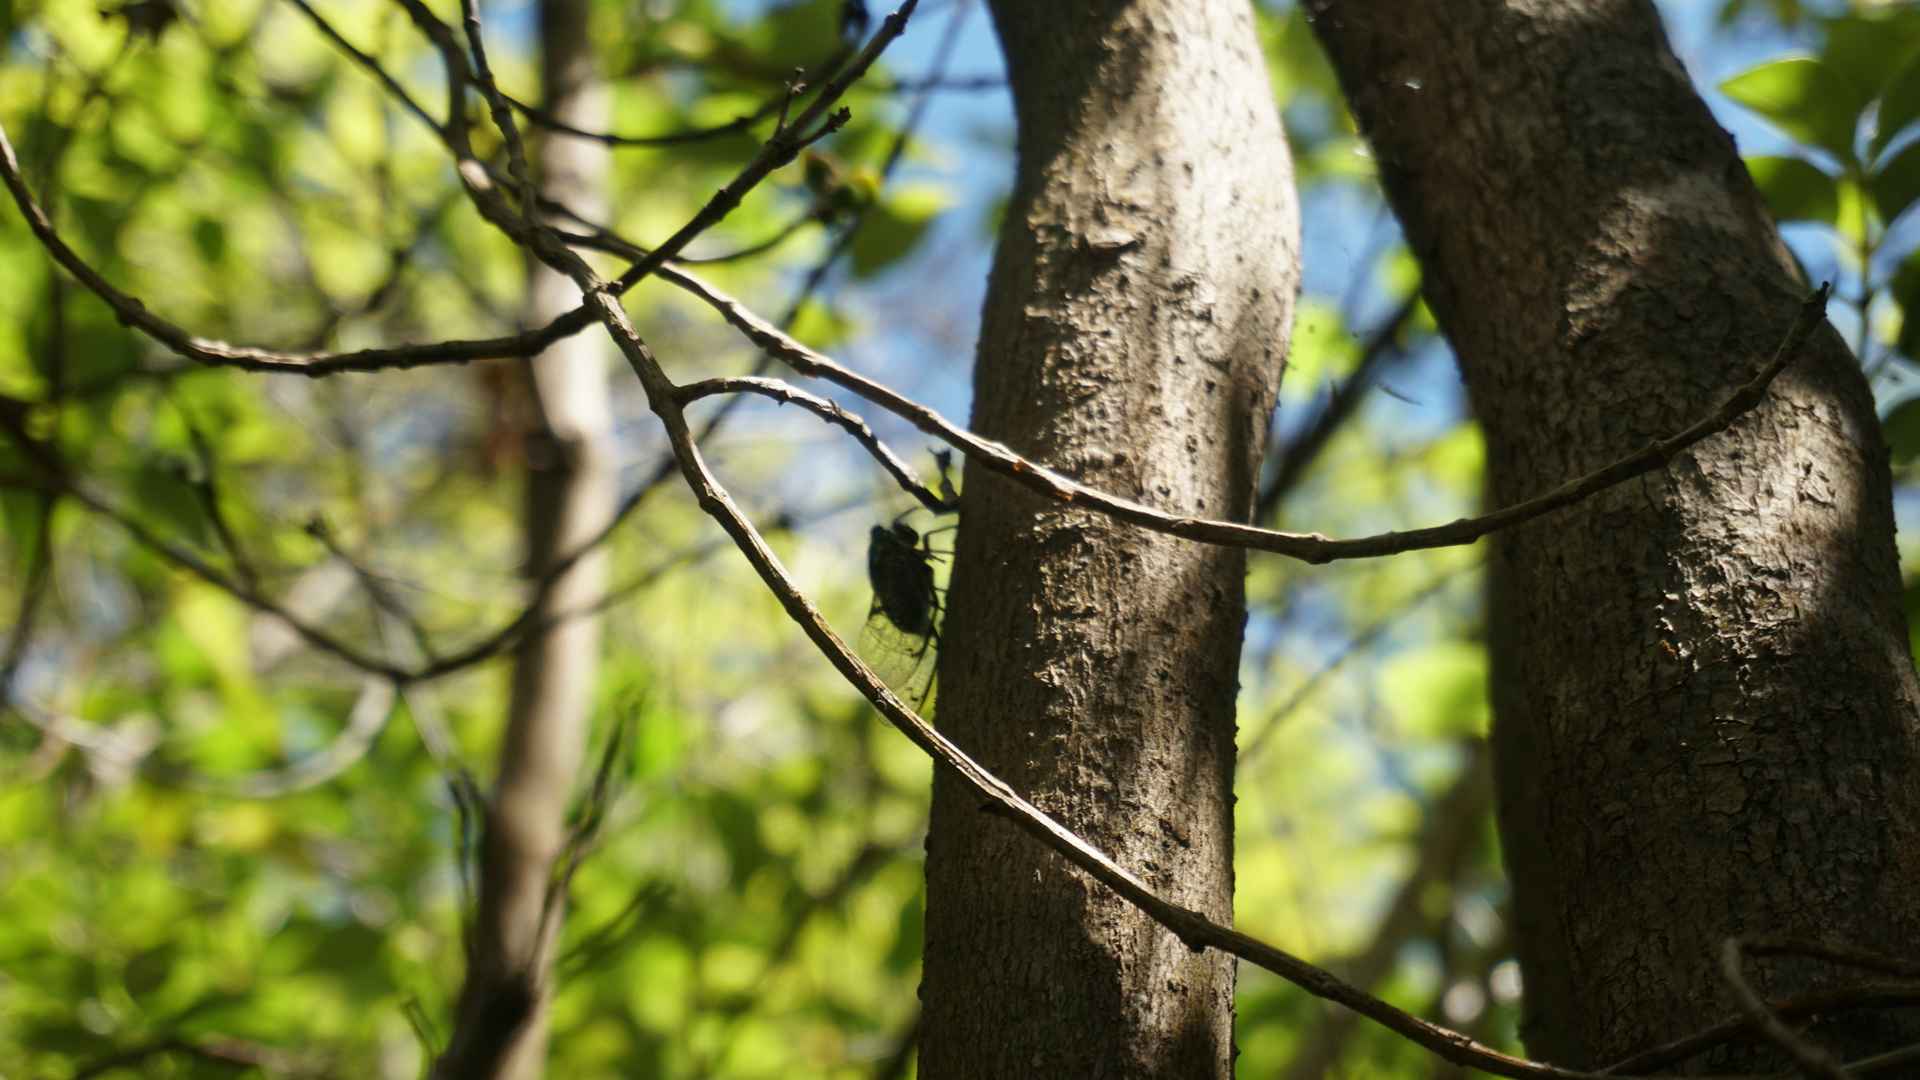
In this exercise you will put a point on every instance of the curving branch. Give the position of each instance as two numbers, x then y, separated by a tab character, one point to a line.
1191	927
1307	547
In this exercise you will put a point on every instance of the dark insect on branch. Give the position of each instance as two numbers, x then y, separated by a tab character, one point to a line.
903	625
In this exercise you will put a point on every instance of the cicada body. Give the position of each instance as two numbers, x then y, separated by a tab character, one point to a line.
903	625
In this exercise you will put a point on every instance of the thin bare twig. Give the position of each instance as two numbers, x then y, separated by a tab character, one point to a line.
1191	927
206	487
1905	1055
253	598
1450	830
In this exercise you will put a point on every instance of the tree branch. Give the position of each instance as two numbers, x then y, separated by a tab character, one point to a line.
1307	547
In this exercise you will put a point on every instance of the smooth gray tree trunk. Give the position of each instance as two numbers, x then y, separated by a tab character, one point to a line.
501	1029
1135	328
1704	703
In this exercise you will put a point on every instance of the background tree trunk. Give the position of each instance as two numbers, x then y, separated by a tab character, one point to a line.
1135	327
571	494
1705	706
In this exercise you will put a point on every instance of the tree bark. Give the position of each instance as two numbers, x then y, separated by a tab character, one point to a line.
501	1027
1133	337
1704	703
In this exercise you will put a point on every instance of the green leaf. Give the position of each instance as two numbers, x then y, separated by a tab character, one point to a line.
1439	691
162	488
210	237
1902	429
1805	99
1896	184
99	221
910	929
20	521
1868	50
1910	599
1796	190
1899	106
892	228
821	325
1905	289
800	34
148	970
1323	348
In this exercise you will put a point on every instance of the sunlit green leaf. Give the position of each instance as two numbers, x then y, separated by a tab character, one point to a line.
1899	106
163	489
210	238
149	969
1439	692
891	228
1902	429
1905	289
1805	99
1869	47
1794	189
1896	184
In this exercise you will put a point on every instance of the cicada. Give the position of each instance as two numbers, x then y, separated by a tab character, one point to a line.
903	625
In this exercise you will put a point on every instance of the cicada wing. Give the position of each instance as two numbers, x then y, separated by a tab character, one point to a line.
904	661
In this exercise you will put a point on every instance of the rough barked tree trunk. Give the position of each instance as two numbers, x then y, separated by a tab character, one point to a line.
1135	328
501	1027
1705	708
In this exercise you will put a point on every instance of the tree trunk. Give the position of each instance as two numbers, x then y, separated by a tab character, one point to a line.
501	1029
1704	703
1134	331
